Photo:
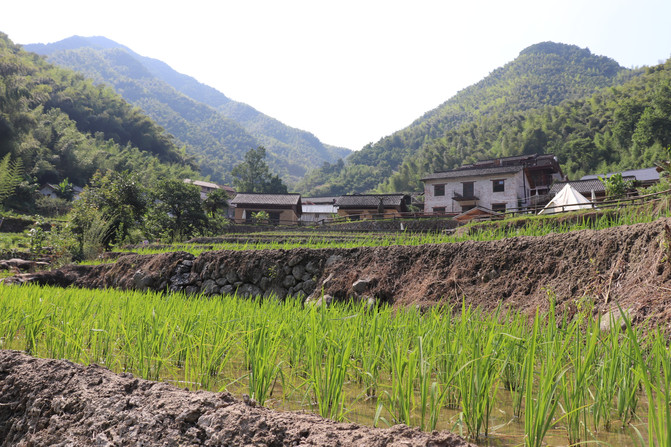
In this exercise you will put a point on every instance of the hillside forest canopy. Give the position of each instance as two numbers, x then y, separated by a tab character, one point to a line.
59	126
593	114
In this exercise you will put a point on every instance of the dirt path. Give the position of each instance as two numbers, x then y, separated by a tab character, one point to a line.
58	403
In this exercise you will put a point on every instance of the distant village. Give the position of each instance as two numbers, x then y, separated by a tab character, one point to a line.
487	189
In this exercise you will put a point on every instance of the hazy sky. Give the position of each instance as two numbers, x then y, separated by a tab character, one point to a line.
350	72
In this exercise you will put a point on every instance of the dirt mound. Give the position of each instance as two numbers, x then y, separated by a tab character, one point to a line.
626	265
58	403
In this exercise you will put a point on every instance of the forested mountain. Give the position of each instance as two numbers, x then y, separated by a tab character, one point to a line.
617	128
216	129
59	125
464	128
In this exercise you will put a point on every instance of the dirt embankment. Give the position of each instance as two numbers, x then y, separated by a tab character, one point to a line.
627	265
58	403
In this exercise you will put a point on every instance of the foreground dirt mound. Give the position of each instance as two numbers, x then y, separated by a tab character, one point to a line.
58	403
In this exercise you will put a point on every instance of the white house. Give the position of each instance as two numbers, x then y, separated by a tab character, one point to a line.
498	185
454	192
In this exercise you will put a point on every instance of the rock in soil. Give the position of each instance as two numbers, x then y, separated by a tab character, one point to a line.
56	402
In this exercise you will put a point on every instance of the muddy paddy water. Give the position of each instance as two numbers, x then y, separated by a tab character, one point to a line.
506	430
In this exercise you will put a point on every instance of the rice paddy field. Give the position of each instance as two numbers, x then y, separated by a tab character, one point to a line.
500	379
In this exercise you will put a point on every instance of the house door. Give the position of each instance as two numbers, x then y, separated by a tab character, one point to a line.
468	189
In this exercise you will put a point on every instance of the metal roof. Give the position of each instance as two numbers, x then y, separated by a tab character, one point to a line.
319	209
473	172
250	199
642	175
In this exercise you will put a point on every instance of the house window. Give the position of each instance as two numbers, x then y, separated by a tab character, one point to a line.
439	210
438	190
468	189
499	207
498	185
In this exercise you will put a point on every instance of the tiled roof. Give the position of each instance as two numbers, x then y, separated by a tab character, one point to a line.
473	172
370	200
266	199
527	160
584	187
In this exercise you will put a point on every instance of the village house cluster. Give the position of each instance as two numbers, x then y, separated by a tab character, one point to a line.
485	189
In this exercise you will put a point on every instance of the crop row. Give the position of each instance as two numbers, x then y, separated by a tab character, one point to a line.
523	226
556	374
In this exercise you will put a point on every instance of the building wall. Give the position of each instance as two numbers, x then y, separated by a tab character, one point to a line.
287	217
514	188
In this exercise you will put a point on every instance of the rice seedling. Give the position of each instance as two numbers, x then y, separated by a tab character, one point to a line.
262	352
654	370
540	405
328	363
607	379
574	382
479	378
403	364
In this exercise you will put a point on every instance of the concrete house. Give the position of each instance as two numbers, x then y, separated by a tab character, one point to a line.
498	185
367	206
283	209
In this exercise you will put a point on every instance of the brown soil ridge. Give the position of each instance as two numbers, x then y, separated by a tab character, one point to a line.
627	265
58	403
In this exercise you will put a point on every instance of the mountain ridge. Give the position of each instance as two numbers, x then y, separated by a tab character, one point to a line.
291	151
542	75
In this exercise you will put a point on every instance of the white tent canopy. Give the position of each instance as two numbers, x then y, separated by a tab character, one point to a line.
568	199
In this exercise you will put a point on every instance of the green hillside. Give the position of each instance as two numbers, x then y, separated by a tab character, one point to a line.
543	75
215	129
617	128
61	126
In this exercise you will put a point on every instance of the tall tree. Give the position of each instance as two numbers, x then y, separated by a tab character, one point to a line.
253	174
177	212
118	198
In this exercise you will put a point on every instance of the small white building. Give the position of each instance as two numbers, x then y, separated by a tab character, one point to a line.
317	213
50	190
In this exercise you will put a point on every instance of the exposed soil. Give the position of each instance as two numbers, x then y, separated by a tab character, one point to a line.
628	266
58	403
47	402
